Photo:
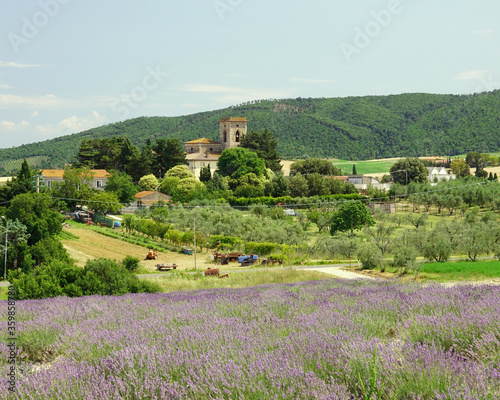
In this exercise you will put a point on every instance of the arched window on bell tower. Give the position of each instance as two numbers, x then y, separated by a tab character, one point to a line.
237	136
225	136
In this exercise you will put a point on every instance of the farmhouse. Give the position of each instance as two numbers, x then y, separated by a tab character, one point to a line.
51	176
362	182
439	174
206	152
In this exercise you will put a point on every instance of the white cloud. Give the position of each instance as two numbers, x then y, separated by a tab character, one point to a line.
18	65
10	126
70	125
230	94
469	75
305	80
34	114
48	100
212	89
483	32
5	86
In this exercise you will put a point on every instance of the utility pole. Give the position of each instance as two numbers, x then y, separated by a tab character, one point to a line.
406	172
5	260
194	234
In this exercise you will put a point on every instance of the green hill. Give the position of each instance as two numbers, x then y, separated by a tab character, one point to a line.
353	128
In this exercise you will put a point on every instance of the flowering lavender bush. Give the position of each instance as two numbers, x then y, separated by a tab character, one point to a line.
316	340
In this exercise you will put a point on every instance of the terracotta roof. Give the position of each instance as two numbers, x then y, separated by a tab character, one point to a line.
100	173
234	119
59	173
202	141
53	173
140	195
340	178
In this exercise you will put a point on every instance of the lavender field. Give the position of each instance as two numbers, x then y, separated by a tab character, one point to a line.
328	339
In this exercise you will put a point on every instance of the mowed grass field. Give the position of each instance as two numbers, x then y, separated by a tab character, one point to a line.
372	167
462	271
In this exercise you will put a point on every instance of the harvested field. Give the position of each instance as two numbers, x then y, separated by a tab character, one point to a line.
94	245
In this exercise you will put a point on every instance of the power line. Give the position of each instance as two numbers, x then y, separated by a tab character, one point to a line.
319	203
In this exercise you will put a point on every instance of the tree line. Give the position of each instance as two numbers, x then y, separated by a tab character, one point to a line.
356	128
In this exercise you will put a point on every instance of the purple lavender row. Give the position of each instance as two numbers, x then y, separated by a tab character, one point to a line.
315	340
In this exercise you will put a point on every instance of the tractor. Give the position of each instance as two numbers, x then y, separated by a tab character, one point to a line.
152	255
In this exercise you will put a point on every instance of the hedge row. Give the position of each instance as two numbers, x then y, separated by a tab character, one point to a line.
292	201
133	239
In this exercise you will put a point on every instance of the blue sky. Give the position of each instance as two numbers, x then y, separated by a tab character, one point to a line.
68	65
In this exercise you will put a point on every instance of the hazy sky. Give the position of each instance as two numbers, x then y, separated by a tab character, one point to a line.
68	65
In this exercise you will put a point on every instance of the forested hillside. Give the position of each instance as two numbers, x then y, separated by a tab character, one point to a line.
354	128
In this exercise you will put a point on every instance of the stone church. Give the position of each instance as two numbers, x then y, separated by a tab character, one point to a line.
204	152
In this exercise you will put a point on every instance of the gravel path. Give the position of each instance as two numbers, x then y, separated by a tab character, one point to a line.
337	271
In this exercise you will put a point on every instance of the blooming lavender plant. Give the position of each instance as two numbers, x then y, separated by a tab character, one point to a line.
309	340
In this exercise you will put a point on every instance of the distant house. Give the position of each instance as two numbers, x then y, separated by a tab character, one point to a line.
439	174
148	198
5	179
362	182
51	176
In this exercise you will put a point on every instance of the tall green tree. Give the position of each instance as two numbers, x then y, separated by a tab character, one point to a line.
121	185
299	186
105	203
77	185
205	174
240	161
22	183
148	182
265	145
459	167
350	217
108	153
278	186
409	170
37	211
169	153
314	165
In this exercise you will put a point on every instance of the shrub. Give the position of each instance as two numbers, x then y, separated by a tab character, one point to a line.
100	276
404	258
262	249
131	263
370	256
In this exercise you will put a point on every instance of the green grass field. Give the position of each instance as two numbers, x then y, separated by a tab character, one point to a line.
460	271
365	167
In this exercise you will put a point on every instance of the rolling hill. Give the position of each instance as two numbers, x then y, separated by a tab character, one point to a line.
353	128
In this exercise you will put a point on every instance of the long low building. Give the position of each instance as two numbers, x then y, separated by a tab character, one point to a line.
5	179
51	176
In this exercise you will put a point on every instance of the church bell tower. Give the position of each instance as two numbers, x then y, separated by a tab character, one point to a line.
231	131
